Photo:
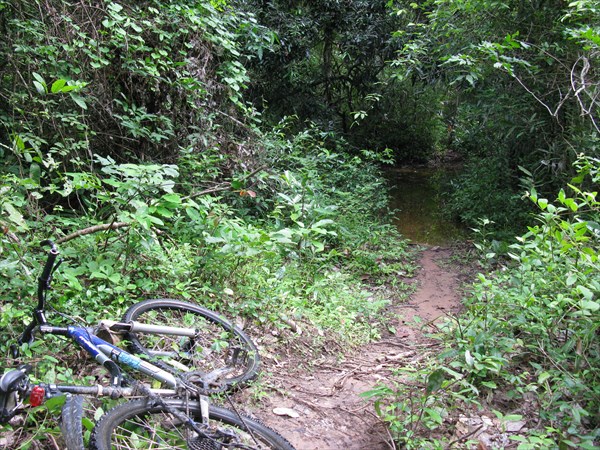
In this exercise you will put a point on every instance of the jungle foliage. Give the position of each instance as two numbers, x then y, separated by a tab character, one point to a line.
240	141
526	347
503	86
511	88
125	135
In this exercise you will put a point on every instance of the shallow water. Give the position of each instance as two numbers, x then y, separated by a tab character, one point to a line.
416	195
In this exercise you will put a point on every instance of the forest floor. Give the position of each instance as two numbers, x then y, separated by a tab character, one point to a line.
317	405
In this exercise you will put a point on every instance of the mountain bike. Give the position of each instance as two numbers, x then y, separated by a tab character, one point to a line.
189	350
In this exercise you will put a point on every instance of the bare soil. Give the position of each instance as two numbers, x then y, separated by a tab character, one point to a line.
317	405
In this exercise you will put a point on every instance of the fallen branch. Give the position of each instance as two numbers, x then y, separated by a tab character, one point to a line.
93	229
466	437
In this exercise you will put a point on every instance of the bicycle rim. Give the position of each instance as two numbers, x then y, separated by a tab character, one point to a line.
138	424
220	353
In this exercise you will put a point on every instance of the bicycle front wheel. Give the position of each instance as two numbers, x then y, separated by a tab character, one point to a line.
217	357
79	415
140	424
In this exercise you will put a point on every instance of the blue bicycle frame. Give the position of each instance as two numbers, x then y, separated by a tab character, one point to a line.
108	354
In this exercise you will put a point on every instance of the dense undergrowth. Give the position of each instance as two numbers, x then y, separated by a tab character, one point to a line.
124	137
300	265
289	251
526	347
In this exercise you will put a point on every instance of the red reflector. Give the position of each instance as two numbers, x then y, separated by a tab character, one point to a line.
36	398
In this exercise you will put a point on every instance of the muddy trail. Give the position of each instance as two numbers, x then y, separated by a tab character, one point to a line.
321	408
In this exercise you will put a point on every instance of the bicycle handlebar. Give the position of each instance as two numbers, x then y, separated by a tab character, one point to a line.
52	255
44	280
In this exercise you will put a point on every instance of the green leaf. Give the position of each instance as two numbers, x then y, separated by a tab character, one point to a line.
55	403
193	214
35	172
435	380
282	236
18	142
155	220
318	246
165	212
588	294
323	222
172	198
434	415
57	86
87	423
543	377
115	277
456	375
14	215
40	87
40	83
39	78
512	418
214	240
66	89
590	305
79	100
533	195
115	7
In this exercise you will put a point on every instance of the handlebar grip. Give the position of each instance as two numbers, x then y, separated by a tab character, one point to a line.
50	244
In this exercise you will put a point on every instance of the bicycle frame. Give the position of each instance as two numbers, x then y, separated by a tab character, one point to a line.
108	354
15	385
105	353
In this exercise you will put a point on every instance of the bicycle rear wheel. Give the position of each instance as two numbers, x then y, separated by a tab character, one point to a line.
220	354
140	424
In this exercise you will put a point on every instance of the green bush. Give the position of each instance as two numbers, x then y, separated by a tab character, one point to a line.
486	189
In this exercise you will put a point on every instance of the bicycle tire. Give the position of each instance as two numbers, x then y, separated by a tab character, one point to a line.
218	345
78	418
70	423
146	423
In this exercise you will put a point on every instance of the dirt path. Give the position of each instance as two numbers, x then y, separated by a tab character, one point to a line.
331	415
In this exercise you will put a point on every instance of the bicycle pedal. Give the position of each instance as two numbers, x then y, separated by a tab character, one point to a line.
203	443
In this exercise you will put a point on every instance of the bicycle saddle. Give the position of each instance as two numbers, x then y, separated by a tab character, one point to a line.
11	380
10	385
